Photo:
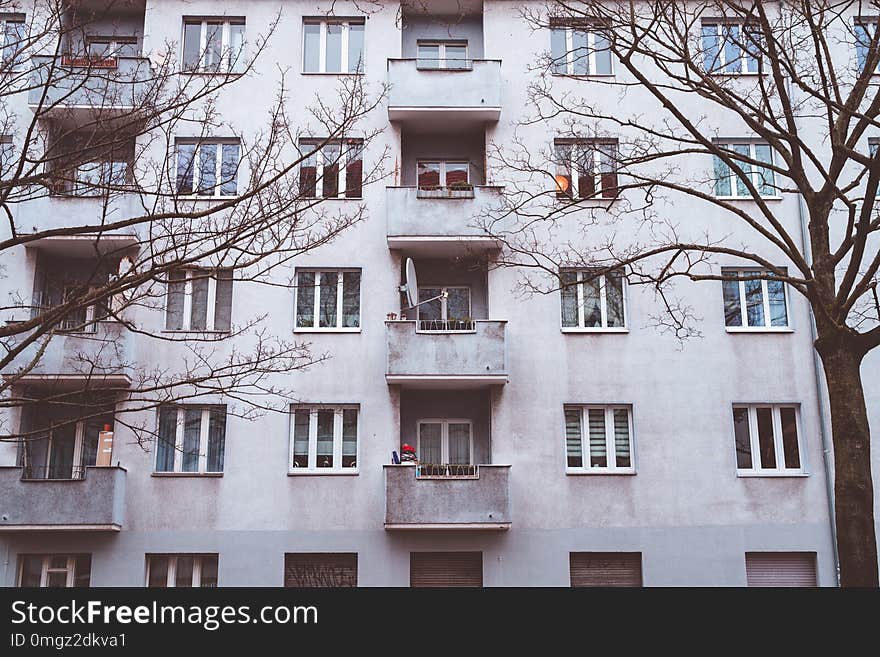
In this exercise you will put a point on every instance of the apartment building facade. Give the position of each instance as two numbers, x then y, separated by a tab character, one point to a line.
562	438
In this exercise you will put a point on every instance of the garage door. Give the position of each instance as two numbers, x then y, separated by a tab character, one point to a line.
781	568
446	569
605	568
309	569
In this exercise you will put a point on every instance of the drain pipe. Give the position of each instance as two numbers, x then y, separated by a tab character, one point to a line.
823	420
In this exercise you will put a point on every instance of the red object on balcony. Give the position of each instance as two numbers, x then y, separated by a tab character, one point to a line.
93	62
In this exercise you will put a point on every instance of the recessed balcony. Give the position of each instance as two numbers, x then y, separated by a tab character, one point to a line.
475	497
94	501
471	356
470	92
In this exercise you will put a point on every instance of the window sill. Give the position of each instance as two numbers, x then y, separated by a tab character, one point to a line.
748	198
582	75
594	330
750	474
327	330
329	73
758	329
216	199
304	472
333	198
212	74
208	475
598	472
193	332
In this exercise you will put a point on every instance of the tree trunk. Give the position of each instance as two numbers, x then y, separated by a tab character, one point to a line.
853	488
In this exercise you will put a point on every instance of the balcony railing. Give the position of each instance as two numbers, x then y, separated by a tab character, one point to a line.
447	497
94	502
81	83
446	326
52	472
439	191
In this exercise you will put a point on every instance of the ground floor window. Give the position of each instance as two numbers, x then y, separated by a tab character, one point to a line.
55	570
320	570
446	569
605	568
781	569
182	570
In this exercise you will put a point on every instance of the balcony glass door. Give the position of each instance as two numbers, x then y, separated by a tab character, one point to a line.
445	442
442	55
449	313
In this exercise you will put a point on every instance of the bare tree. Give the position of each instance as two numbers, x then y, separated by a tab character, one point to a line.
171	208
794	77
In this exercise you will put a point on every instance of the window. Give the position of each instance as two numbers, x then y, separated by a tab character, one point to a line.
752	302
191	439
767	439
444	173
67	448
605	568
101	48
181	570
13	32
333	46
865	30
731	48
443	55
99	178
787	569
8	155
213	45
198	165
579	48
328	300
337	167
445	309
586	168
324	439
599	439
54	570
445	442
199	300
320	570
591	302
748	156
446	569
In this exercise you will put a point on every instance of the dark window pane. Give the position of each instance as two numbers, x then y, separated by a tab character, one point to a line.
325	438
167	439
209	571
351	299
592	301
31	570
158	572
305	299
349	438
330	176
229	170
776	294
711	49
199	312
185	168
82	570
308	171
328	301
207	169
732	308
301	438
790	438
568	281
192	425
354	171
742	437
754	303
614	299
573	449
216	439
428	175
223	306
765	438
184	575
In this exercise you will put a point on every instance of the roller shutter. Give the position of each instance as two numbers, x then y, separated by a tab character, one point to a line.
446	569
781	569
311	570
605	568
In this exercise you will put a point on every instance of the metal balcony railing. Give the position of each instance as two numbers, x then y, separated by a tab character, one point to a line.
61	471
449	191
447	471
446	325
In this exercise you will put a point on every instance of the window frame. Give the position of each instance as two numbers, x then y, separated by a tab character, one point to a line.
778	445
719	25
212	276
754	172
5	20
338	418
442	60
343	46
46	569
217	191
342	163
590	31
113	43
444	311
610	445
444	438
77	465
442	170
603	305
171	575
204	440
225	46
765	303
316	327
595	148
863	22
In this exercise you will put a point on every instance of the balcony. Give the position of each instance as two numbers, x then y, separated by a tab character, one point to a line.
100	355
112	85
429	222
95	502
470	358
468	94
477	500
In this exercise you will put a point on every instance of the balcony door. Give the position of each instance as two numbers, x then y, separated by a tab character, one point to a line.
443	441
64	451
445	309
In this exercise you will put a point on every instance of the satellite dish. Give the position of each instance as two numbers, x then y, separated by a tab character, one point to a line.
411	287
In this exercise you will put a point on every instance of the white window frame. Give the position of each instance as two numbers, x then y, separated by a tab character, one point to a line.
321	158
443	164
754	174
113	43
441	53
105	178
722	53
596	155
765	303
171	578
610	446
322	46
225	46
195	272
204	434
46	569
870	23
444	313
591	55
444	437
778	447
313	468
4	20
217	192
339	328
603	302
